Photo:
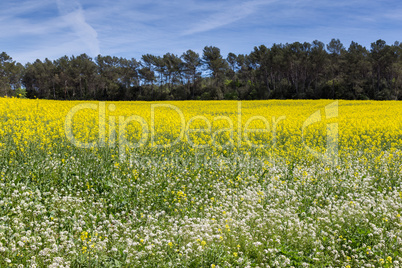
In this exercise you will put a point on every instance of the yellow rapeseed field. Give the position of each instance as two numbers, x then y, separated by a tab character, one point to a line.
361	124
274	183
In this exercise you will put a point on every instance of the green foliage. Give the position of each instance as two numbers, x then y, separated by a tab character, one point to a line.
20	93
292	70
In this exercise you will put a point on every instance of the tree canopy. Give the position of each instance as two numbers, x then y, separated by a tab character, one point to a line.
282	71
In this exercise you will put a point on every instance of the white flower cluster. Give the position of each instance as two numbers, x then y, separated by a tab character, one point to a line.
332	216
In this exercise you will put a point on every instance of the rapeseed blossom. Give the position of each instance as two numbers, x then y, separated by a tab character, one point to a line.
214	183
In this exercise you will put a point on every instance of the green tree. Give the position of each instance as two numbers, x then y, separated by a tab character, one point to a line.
83	76
396	72
173	65
382	58
318	60
41	80
232	61
356	68
191	63
108	69
260	59
147	73
218	67
129	76
215	63
10	75
336	51
297	60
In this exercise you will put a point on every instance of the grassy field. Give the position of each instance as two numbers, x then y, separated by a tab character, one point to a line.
200	184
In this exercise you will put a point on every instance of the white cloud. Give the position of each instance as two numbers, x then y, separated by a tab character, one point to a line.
51	51
394	15
73	14
15	8
227	16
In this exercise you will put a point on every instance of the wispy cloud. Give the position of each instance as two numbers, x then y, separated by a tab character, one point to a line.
33	29
11	9
394	15
52	51
228	15
73	14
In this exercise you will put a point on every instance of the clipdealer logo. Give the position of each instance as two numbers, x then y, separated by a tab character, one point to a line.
330	156
117	134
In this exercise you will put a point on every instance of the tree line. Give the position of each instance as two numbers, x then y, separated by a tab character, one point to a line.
283	71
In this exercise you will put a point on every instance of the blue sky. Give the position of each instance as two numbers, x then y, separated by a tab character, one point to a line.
39	29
